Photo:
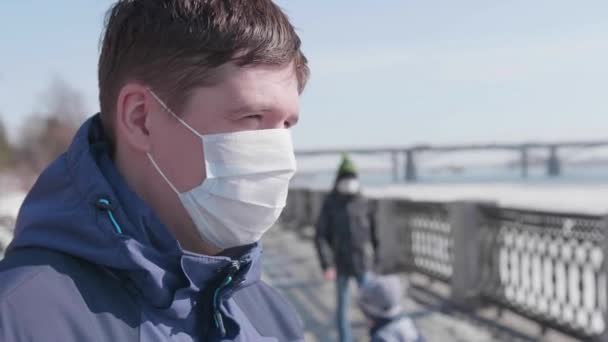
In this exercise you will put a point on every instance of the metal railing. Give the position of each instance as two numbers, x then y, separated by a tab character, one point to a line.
428	248
548	267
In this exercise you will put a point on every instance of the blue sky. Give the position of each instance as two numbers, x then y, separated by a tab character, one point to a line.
384	72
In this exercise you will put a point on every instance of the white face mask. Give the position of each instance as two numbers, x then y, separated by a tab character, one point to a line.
245	190
349	186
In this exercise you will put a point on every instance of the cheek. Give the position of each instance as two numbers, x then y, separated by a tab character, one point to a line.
180	155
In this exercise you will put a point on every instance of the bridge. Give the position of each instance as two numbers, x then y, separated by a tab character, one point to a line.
409	154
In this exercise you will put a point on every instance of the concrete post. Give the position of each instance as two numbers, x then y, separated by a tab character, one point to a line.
465	220
303	209
395	166
553	163
287	217
410	166
391	228
524	162
300	207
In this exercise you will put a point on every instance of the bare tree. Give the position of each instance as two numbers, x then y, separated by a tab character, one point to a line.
63	102
6	153
47	133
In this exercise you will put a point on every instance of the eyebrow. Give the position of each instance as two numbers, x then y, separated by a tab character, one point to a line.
258	109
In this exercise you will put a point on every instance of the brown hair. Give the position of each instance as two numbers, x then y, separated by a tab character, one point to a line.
174	46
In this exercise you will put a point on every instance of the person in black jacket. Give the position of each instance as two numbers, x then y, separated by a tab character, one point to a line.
345	239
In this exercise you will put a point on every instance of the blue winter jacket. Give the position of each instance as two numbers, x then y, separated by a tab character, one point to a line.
91	262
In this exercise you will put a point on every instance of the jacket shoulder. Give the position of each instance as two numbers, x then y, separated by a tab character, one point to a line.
50	296
31	268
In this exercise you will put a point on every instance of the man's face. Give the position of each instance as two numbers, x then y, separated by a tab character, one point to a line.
247	98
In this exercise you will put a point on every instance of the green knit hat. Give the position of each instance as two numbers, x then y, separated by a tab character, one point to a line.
347	168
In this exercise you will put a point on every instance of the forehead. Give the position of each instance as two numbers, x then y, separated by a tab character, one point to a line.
231	74
273	87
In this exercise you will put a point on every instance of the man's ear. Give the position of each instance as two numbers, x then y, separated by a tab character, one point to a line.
132	116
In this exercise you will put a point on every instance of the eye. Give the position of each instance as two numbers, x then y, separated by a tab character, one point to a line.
256	117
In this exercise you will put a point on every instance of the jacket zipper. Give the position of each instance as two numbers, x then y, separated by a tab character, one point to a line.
234	267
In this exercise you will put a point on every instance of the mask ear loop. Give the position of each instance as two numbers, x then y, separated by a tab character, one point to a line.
168	110
162	173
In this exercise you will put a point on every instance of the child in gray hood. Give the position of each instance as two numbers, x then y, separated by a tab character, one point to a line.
380	301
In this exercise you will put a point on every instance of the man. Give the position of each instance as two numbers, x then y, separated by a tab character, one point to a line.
147	228
346	239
